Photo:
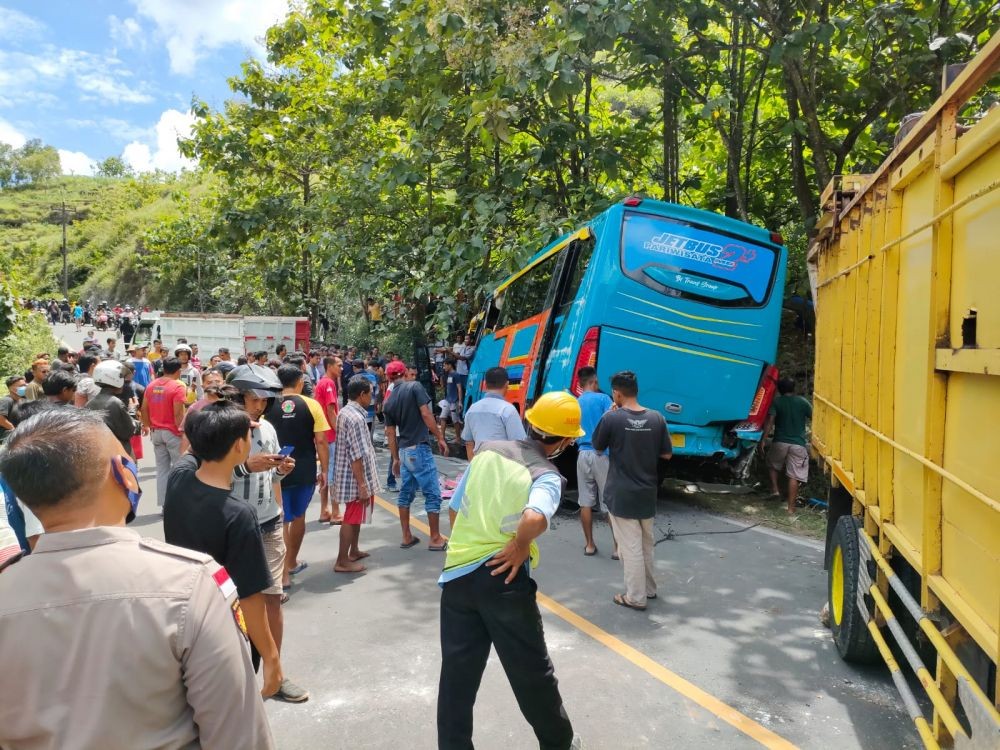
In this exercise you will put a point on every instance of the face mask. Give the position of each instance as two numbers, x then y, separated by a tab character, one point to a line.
559	452
21	390
128	478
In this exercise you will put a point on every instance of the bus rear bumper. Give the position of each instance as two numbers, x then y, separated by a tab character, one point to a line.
710	441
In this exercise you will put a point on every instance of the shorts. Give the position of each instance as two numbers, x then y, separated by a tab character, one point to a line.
450	410
591	477
274	551
790	458
329	464
418	471
295	500
357	512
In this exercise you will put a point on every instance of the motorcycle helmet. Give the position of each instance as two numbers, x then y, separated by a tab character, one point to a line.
260	381
182	348
109	373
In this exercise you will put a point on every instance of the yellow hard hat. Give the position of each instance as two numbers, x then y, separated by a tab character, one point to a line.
556	413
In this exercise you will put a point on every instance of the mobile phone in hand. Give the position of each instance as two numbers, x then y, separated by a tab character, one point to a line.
286	451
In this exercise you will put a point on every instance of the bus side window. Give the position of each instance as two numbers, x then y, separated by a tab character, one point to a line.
525	297
584	251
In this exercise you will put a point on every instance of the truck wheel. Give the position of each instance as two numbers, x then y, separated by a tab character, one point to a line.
846	576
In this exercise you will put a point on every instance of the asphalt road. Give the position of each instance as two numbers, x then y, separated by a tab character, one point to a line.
731	655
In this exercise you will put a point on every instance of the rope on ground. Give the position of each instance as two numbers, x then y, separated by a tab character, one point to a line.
671	534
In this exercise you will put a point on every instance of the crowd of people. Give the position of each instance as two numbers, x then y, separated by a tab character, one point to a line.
242	446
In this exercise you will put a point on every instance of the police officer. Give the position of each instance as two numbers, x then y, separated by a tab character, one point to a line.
109	639
504	502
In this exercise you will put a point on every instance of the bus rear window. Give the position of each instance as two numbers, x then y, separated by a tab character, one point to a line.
682	260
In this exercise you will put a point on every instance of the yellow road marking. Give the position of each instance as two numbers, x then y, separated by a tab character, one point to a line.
692	692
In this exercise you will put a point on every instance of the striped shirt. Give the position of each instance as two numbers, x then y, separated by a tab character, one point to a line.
257	489
353	442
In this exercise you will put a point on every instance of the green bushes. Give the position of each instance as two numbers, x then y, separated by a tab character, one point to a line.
29	336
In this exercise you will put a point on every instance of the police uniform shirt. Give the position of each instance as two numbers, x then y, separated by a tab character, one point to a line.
114	641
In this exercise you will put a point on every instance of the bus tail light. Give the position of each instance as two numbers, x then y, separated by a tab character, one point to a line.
632	201
587	357
777	239
765	395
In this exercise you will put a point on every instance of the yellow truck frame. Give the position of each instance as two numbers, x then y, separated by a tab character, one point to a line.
905	271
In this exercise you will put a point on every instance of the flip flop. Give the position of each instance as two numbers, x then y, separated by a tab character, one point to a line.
589	554
616	556
621	601
298	568
412	543
442	548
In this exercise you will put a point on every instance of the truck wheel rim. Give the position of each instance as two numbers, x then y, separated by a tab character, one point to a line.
837	585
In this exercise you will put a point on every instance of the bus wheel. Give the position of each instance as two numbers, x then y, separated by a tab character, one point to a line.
846	577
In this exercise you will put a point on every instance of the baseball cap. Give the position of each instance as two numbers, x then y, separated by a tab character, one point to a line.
395	368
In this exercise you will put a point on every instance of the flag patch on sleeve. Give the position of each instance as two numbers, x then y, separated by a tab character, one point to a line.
224	582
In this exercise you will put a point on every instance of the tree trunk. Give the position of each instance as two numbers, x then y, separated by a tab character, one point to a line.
587	92
671	158
800	181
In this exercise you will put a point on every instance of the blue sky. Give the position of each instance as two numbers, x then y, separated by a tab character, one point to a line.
97	78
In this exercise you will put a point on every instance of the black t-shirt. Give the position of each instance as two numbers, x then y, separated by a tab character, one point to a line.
206	519
635	440
402	411
295	422
115	416
6	407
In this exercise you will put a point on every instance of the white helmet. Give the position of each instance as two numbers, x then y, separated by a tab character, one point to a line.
109	373
182	348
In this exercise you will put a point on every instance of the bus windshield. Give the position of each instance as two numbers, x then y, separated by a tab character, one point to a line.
679	259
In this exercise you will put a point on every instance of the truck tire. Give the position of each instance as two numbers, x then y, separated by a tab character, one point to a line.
847	620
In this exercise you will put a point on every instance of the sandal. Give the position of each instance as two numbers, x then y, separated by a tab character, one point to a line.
590	554
621	601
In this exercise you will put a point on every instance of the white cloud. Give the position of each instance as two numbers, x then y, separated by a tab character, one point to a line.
127	32
17	26
191	28
159	151
11	135
101	78
76	162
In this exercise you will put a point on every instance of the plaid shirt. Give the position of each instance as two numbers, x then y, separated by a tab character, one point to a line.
353	442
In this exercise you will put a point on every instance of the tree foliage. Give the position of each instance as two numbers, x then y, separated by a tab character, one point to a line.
31	164
418	150
115	167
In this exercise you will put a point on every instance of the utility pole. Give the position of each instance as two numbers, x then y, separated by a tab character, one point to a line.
64	220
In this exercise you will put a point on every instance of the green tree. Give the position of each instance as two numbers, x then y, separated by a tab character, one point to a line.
35	162
114	166
8	165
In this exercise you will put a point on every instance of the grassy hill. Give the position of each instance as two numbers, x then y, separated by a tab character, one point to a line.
108	218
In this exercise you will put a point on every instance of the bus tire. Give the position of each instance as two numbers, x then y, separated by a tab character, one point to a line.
847	621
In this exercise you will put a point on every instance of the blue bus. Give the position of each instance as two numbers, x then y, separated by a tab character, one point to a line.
687	299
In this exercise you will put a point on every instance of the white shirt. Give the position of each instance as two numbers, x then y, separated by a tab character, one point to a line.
462	365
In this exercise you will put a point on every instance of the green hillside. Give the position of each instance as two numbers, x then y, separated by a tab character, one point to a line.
107	220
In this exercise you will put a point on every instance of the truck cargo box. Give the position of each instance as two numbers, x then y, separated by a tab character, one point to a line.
906	279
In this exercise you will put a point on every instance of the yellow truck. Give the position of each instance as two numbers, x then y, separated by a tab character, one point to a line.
905	271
